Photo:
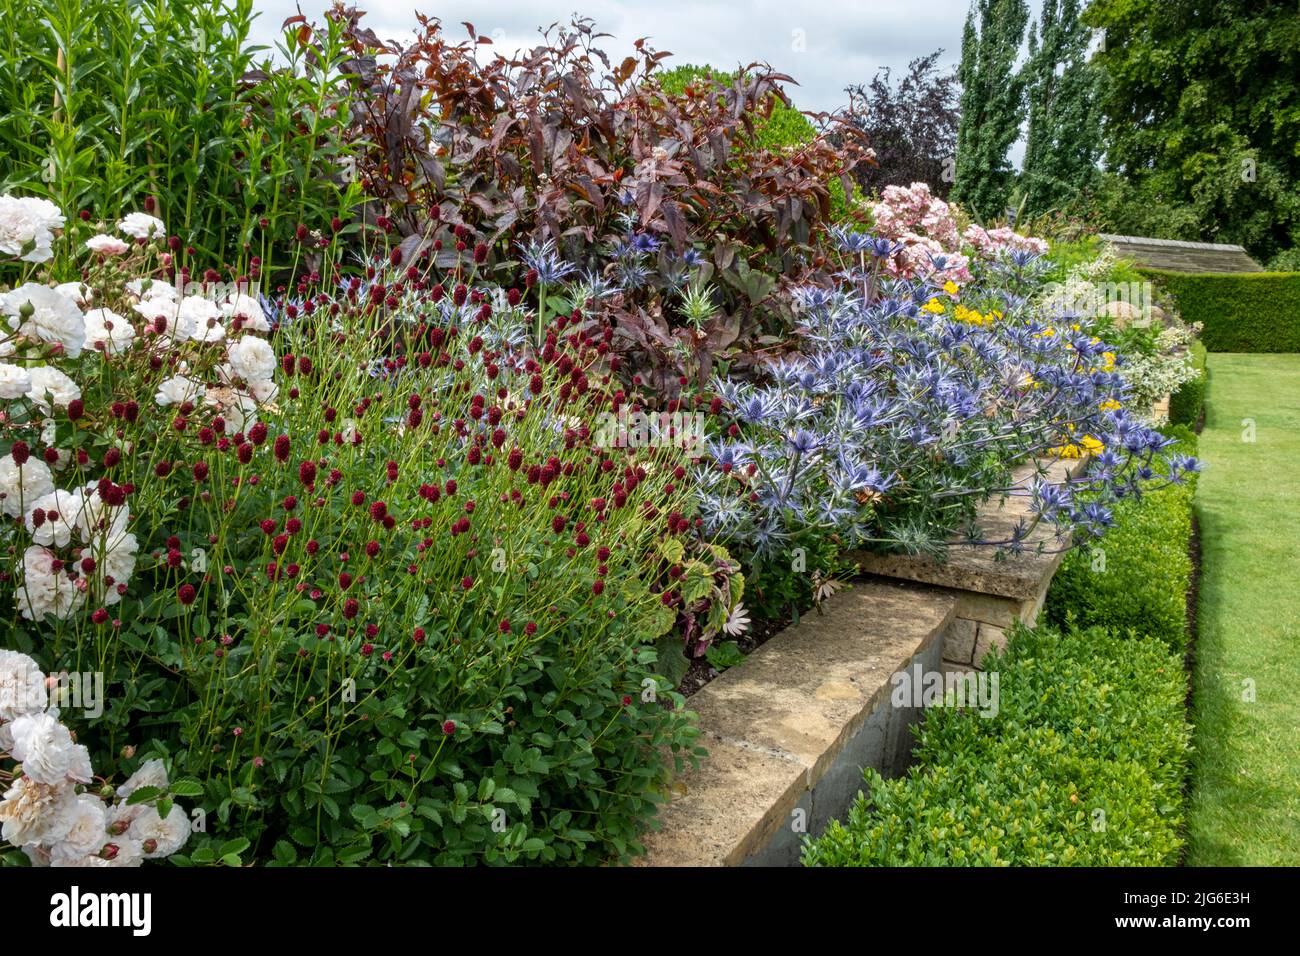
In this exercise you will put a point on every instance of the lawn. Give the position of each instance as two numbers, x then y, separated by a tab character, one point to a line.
1245	807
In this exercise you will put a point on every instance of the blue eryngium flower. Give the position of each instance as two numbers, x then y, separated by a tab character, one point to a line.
643	242
894	421
546	261
803	442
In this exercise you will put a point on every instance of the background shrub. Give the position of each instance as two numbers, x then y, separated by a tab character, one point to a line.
1137	576
1090	730
560	146
104	103
1241	312
1286	261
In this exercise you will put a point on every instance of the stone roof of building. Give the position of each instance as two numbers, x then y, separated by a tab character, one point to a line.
1177	256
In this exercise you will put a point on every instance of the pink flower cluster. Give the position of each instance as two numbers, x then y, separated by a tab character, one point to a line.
990	242
926	227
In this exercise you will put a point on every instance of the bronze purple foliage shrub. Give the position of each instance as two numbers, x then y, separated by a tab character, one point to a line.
560	143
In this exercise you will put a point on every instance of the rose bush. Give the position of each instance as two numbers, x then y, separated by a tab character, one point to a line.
52	808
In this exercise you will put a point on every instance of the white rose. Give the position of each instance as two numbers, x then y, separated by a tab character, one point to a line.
151	773
237	410
22	686
124	813
264	391
108	332
178	390
179	326
117	562
95	519
139	225
160	836
252	359
79	768
27	227
43	590
19	487
106	245
89	830
147	288
14	381
34	812
58	515
203	317
38	855
54	318
78	292
248	311
51	387
118	852
44	747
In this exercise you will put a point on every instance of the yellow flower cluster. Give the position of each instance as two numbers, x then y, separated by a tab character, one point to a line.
1087	445
972	317
960	312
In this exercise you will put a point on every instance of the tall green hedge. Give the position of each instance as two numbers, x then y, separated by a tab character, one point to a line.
1241	311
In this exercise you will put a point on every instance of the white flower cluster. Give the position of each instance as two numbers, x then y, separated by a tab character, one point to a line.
196	318
139	225
41	314
27	227
103	552
46	809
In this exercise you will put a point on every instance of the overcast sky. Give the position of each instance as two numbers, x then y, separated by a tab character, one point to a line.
825	45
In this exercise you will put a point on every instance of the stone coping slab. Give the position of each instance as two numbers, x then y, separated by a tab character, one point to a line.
775	724
980	568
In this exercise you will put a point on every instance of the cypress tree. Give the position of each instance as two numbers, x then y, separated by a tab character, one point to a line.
992	104
1063	93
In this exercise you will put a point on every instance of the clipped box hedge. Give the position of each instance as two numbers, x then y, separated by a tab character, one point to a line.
1241	311
1136	576
1083	765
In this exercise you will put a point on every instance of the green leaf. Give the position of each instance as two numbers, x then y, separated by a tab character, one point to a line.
355	854
234	847
203	855
186	788
672	662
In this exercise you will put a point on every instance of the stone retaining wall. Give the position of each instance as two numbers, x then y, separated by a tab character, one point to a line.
789	730
992	591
